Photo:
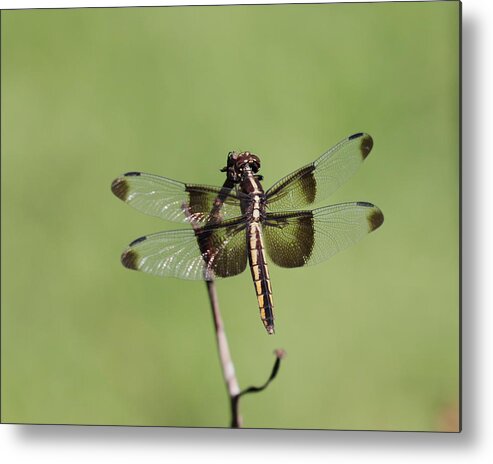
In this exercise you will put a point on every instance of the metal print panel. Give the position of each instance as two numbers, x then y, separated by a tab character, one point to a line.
253	144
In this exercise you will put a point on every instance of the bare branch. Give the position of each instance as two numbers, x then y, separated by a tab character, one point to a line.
280	354
227	365
225	356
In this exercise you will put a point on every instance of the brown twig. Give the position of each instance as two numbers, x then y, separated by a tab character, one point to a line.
280	354
227	365
225	357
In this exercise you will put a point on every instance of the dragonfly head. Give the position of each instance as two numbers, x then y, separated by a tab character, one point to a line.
241	163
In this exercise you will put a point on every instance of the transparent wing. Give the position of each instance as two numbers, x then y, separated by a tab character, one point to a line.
303	238
207	253
316	181
176	201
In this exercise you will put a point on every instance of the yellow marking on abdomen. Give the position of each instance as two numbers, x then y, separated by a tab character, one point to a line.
258	287
256	272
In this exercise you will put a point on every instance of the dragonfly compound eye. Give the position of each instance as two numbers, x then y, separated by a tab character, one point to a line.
247	158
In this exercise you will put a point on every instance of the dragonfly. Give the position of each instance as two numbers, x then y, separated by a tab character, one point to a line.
240	222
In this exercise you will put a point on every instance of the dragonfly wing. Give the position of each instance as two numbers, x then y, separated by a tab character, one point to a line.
316	181
175	201
206	253
303	238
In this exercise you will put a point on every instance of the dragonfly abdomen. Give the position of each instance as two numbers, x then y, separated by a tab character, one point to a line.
260	275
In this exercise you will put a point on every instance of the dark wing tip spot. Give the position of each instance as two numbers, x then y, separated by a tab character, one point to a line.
120	188
365	203
375	219
355	136
366	146
138	240
132	173
130	259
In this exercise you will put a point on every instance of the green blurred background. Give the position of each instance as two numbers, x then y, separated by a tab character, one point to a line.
372	335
